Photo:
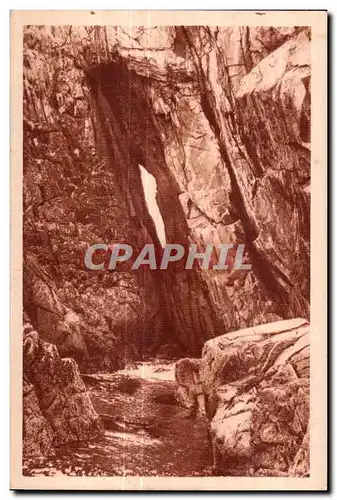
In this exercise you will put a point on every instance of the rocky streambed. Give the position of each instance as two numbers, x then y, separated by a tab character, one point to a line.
146	432
242	409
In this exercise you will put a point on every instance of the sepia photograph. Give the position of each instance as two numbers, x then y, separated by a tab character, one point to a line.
165	171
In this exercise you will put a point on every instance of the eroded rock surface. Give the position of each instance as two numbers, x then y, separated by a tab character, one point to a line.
56	405
221	117
255	387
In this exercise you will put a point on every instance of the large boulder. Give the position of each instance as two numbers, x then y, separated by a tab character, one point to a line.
56	405
256	395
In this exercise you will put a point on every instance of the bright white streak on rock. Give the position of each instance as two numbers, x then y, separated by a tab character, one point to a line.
150	193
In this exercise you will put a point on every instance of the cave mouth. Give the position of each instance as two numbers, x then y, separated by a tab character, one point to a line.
149	184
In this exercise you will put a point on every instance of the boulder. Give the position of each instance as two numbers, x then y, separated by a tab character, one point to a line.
255	384
56	405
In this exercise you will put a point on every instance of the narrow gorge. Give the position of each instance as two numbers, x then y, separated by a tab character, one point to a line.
218	118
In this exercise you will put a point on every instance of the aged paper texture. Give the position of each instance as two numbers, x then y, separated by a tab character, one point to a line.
168	250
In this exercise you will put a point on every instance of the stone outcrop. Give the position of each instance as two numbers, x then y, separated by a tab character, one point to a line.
255	393
56	405
221	118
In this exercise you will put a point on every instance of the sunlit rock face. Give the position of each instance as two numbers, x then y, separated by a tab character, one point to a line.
220	117
253	386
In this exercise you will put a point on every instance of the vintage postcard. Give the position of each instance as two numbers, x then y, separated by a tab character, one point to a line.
169	232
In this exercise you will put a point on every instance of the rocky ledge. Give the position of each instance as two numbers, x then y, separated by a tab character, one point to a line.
253	386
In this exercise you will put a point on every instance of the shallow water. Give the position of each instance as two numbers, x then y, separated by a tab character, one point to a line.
146	432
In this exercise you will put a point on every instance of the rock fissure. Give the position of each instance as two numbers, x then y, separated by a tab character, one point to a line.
225	134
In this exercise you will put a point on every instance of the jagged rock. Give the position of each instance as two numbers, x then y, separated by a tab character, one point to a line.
37	431
301	463
256	396
56	405
226	134
189	393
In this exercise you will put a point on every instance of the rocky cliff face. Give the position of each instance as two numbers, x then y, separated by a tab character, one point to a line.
221	118
253	386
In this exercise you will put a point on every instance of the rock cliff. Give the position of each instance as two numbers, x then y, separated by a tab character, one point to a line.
221	118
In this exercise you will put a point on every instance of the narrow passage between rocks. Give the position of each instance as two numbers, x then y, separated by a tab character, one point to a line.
146	432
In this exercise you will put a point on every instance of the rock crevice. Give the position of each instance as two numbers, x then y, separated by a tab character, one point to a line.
220	116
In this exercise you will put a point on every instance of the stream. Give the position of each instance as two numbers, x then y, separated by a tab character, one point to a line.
146	432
